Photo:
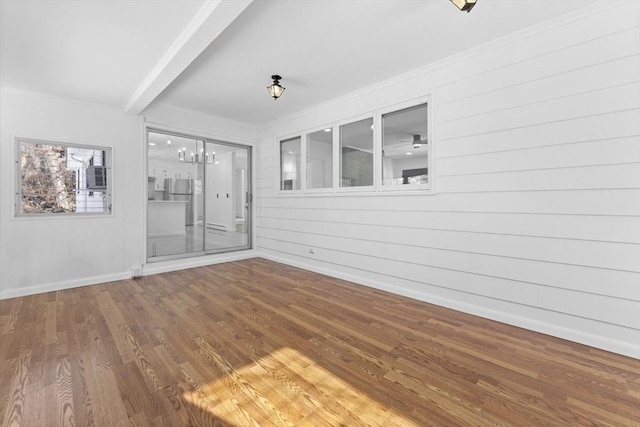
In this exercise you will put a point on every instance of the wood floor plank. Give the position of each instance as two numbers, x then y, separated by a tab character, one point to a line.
10	316
64	393
257	343
15	395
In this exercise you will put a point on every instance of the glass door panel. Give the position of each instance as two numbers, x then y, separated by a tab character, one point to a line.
227	190
174	196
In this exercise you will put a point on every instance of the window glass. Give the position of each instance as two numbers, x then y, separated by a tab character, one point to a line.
62	178
290	160
320	159
405	148
356	154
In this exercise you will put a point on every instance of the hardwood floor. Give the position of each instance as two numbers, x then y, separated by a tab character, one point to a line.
254	343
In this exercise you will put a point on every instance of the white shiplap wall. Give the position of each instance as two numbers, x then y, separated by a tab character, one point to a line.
536	216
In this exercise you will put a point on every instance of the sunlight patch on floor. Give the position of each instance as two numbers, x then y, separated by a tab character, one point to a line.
289	389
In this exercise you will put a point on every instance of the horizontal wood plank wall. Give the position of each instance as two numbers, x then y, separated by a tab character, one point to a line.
536	217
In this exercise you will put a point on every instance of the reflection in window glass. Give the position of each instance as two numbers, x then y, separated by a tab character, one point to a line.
320	159
63	178
290	155
405	148
356	154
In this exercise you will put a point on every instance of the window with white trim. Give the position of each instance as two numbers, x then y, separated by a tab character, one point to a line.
356	154
388	150
405	147
290	162
58	178
319	155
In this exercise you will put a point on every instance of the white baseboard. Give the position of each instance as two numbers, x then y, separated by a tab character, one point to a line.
214	226
581	337
58	286
181	264
147	269
177	233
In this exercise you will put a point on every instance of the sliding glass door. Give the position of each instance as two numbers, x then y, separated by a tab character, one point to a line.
198	196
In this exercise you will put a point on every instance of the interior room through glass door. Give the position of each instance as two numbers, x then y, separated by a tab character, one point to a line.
227	207
174	196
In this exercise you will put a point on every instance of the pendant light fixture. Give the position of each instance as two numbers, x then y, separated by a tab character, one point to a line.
464	5
275	90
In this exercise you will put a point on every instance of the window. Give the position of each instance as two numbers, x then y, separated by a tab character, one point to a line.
56	178
388	150
405	147
320	159
290	155
356	154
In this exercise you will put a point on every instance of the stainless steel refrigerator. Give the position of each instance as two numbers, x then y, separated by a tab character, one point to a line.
181	190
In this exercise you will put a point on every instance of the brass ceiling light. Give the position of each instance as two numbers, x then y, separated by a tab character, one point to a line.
464	5
275	90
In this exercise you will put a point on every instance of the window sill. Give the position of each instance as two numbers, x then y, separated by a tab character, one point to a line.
358	193
30	217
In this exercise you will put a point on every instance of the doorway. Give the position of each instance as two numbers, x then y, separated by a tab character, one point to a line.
198	198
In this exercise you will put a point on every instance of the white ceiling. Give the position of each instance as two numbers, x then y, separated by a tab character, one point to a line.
128	54
97	51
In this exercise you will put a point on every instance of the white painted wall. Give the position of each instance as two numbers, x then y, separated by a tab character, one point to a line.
536	216
167	117
45	253
50	253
